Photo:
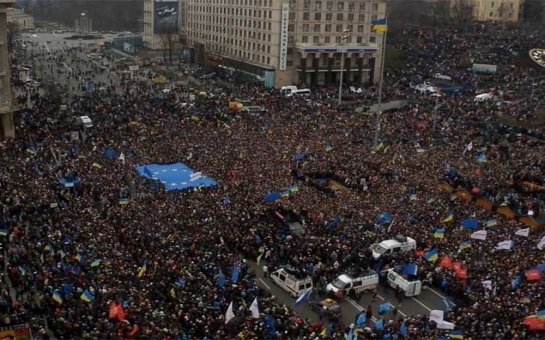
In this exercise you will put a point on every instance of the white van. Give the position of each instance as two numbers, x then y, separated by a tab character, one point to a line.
409	287
302	93
388	247
362	283
86	121
287	90
291	281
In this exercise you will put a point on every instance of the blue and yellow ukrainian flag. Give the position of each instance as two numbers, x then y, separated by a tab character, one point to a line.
96	263
293	188
87	296
413	197
456	335
63	254
439	233
21	270
143	269
96	165
431	200
432	255
449	217
261	252
525	300
4	232
380	25
465	245
31	151
123	201
79	257
57	297
491	223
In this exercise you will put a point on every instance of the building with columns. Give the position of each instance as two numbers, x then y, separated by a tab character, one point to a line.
285	42
6	108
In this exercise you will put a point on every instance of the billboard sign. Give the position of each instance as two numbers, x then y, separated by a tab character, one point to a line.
283	57
165	16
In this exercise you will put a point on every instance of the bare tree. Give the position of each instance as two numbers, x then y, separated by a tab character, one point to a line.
462	11
169	38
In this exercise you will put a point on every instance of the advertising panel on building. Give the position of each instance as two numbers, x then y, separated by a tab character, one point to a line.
283	58
165	16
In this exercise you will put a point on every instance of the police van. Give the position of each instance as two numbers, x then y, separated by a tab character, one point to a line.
362	283
388	247
292	281
409	287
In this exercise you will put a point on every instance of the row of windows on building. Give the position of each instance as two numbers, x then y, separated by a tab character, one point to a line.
329	16
258	25
330	6
241	54
256	13
199	30
250	3
305	39
339	28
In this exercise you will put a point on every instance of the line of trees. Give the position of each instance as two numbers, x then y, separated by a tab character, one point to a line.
115	15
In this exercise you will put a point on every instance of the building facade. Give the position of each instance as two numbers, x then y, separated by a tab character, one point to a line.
286	42
6	108
22	20
160	23
491	10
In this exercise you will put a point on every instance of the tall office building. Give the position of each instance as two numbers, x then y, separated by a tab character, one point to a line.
284	42
6	109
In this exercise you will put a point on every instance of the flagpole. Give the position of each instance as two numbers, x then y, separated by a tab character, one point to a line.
380	83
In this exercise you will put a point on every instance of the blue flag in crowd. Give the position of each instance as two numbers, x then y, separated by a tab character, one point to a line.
303	298
383	308
516	281
360	319
403	328
384	218
234	274
379	324
449	305
269	320
409	269
470	223
67	288
334	223
221	279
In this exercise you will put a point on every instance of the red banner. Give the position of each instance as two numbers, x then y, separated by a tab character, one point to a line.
19	332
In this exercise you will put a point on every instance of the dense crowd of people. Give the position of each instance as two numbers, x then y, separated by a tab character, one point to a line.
117	255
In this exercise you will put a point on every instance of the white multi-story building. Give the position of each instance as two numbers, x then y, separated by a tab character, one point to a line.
6	107
288	41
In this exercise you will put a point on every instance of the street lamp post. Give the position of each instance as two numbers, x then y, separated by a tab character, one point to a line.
380	84
342	51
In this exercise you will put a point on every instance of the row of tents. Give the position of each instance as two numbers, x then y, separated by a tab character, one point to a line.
503	209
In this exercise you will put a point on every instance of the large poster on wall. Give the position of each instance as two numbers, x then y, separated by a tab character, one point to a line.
165	16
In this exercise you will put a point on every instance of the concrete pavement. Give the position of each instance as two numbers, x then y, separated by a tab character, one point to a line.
423	304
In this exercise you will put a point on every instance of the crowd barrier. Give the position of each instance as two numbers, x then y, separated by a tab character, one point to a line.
502	210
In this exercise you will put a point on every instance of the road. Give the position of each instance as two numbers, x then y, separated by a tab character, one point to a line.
41	46
429	300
